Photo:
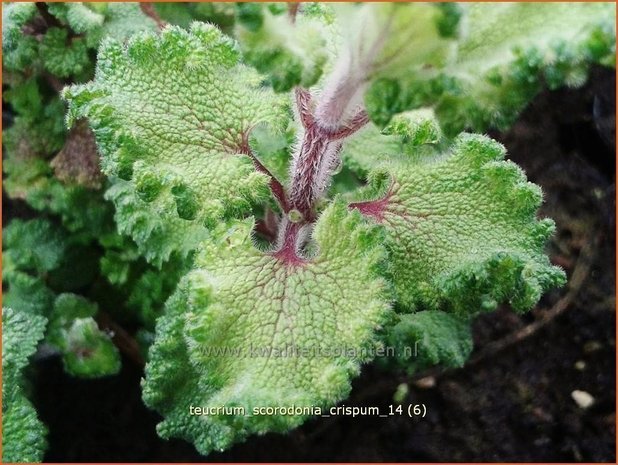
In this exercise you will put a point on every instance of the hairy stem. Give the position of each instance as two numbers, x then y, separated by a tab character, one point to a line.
149	10
293	8
327	123
312	170
317	156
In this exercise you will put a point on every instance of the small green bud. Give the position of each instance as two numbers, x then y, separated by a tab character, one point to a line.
401	393
295	216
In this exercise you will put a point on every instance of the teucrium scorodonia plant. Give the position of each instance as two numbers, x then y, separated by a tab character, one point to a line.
443	229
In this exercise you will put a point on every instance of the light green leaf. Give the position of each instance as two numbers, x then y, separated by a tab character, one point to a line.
507	53
26	292
23	435
417	127
273	148
288	53
172	114
78	16
61	56
123	20
369	148
36	244
495	29
462	231
21	332
429	338
18	50
241	300
396	39
409	135
87	352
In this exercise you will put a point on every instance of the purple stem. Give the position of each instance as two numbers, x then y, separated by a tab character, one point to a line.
312	169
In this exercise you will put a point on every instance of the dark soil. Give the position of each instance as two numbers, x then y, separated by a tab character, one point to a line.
512	404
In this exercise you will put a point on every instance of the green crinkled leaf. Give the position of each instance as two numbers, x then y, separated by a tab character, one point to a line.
507	53
63	56
18	50
171	114
21	332
490	36
289	54
372	148
67	307
23	435
462	231
429	338
33	133
123	20
39	256
34	244
26	292
97	21
77	15
417	127
239	299
273	148
395	40
87	352
14	16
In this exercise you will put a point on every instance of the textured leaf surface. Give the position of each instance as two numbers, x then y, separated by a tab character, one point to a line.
61	59
462	230
17	51
87	352
123	20
26	292
171	114
429	338
369	149
398	39
30	249
78	16
407	136
241	300
288	53
507	53
33	245
21	333
23	435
